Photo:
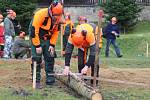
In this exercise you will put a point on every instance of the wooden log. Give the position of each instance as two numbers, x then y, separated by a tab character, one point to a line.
77	84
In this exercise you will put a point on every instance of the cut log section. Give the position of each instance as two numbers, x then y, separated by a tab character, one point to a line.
77	84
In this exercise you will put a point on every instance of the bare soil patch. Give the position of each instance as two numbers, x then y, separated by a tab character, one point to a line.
19	75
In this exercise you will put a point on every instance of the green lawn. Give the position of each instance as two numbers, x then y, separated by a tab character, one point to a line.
133	46
125	94
53	93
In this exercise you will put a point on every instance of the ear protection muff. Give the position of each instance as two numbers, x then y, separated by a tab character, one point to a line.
73	31
53	4
84	32
69	17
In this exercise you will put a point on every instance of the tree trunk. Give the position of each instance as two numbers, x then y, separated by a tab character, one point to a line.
74	82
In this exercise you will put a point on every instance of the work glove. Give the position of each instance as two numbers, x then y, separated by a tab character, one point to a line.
66	70
39	50
84	70
116	34
51	50
113	32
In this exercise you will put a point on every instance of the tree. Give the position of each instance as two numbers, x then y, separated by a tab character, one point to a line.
23	8
126	11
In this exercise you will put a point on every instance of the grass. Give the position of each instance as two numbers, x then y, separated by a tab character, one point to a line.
53	93
125	94
133	47
126	62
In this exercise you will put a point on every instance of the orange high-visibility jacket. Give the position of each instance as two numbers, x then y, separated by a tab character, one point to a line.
89	39
43	21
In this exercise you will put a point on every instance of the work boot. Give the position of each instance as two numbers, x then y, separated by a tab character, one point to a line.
38	85
50	81
119	56
106	55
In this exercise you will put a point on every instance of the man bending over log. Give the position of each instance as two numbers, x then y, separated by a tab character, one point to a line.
83	38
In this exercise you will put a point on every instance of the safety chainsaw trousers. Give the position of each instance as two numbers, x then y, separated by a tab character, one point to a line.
49	62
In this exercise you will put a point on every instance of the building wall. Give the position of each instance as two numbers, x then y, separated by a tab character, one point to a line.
92	13
145	14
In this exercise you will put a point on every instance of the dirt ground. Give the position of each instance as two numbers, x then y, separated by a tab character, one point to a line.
18	75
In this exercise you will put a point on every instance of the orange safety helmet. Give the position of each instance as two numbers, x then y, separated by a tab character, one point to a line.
77	39
57	8
82	18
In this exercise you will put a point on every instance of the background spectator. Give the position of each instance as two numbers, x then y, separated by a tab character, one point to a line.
9	33
21	47
1	35
111	32
16	24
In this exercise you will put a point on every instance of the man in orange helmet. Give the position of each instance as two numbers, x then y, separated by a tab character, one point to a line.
83	38
44	34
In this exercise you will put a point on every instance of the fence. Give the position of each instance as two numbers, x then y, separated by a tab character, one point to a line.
96	2
143	2
81	2
70	3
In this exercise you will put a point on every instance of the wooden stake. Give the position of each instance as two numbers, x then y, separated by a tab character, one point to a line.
97	47
61	39
147	53
34	75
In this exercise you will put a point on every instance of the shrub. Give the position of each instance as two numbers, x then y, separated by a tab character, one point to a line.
23	8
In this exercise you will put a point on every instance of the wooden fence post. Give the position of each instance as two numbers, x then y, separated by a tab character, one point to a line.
147	53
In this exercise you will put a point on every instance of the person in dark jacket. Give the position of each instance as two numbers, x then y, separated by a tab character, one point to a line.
111	32
17	26
21	47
